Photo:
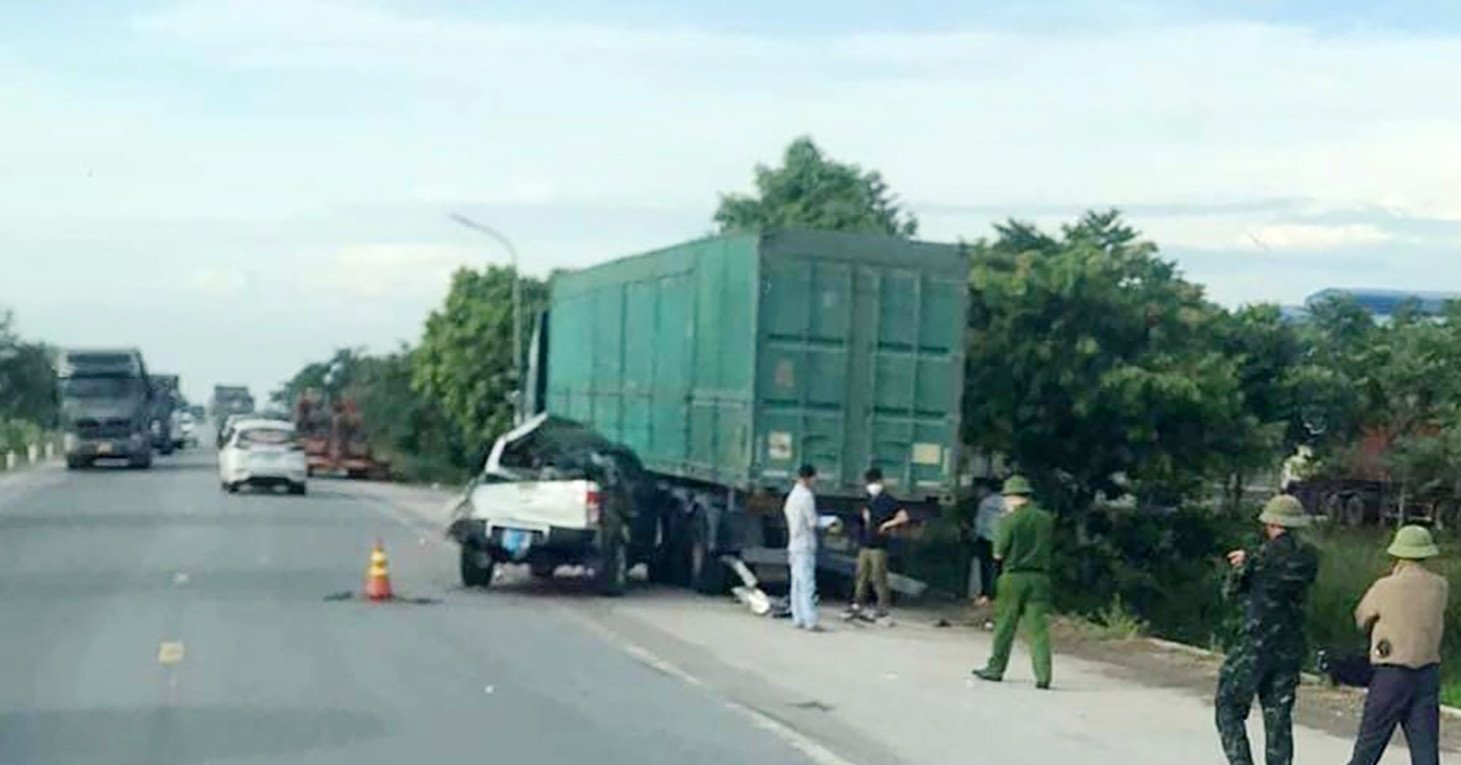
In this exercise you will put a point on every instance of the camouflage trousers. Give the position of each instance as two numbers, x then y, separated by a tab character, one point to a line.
1271	676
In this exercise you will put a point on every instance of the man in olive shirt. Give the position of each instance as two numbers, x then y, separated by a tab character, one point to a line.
1405	615
1023	548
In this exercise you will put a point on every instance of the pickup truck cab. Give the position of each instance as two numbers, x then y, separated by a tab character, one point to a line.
554	493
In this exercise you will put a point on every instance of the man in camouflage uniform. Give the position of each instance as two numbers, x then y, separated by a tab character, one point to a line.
1271	583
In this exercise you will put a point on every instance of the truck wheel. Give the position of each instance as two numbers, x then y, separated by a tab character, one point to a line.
543	570
611	578
298	489
232	488
474	573
74	463
141	463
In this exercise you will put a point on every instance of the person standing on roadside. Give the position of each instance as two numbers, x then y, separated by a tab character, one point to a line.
1023	548
982	571
880	516
801	549
1272	584
1405	616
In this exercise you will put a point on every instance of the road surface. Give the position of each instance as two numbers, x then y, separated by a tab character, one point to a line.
147	617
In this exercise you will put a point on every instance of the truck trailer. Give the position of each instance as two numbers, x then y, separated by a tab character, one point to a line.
724	363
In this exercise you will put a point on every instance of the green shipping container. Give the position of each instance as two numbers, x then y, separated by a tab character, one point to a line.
732	360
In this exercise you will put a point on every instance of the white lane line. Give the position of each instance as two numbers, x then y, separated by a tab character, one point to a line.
799	741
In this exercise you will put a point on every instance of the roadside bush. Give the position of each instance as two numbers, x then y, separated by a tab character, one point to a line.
18	434
1165	568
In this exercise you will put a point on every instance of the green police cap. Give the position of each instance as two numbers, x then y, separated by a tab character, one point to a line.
1413	543
1017	486
1284	510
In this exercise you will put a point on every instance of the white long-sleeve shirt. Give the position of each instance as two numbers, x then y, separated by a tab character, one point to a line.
801	519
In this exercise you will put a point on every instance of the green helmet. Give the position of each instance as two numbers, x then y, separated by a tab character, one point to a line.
1284	510
1413	543
1017	486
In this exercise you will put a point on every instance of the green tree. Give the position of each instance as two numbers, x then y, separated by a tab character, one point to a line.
810	190
27	378
464	364
1096	368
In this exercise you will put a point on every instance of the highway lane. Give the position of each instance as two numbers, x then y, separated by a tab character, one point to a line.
99	569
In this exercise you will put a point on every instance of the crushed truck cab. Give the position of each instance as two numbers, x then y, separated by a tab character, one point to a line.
553	494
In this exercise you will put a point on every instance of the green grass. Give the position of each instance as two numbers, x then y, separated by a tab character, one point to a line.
1350	561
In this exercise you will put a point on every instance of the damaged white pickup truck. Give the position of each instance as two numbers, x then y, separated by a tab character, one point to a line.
553	494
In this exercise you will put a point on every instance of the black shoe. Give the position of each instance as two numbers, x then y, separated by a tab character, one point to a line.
1043	686
985	674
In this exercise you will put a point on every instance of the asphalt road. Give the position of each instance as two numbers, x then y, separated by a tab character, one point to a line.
100	568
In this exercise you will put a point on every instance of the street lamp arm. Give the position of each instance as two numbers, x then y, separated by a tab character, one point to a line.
517	306
483	228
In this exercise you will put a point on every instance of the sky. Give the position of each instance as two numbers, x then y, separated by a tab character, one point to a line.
238	188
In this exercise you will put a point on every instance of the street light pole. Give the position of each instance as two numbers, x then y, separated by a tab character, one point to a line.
517	307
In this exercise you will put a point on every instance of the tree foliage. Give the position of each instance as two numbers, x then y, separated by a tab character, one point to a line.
810	190
464	364
27	380
1096	368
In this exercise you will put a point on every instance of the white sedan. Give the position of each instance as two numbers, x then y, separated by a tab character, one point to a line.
262	453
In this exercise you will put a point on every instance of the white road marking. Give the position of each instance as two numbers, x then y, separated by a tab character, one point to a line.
799	741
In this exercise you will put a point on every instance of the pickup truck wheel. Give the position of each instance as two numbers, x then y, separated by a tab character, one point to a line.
611	578
474	573
74	463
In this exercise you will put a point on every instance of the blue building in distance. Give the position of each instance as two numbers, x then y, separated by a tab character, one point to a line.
1382	304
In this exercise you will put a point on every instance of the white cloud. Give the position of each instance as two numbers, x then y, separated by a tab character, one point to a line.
371	271
1309	236
217	282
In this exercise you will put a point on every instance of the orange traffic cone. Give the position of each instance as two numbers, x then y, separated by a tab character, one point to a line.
378	576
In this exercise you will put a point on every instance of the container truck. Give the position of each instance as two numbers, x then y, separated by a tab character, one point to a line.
721	365
106	406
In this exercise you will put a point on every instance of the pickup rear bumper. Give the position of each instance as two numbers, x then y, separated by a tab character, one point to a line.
567	544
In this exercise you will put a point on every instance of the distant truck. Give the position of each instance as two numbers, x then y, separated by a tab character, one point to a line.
166	395
107	406
700	376
335	437
227	400
230	399
1356	488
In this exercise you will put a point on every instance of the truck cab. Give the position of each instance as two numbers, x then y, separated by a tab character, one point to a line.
106	407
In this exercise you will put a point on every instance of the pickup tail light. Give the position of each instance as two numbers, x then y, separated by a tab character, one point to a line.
591	504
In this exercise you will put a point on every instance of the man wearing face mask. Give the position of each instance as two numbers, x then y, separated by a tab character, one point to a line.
880	516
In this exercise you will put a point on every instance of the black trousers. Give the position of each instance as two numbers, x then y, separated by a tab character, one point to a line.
1410	698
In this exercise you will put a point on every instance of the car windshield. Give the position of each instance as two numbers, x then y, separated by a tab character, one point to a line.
265	437
88	388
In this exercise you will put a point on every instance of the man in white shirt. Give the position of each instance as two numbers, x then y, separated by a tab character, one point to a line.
801	549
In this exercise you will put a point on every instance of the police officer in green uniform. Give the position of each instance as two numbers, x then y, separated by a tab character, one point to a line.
1022	549
1271	583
